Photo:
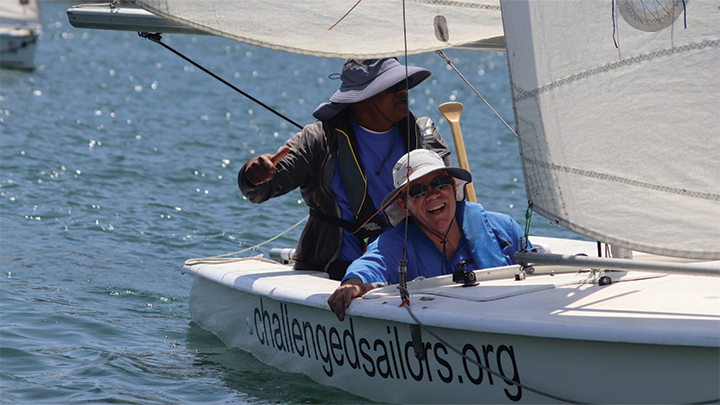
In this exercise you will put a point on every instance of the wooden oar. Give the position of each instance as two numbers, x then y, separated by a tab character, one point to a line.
451	111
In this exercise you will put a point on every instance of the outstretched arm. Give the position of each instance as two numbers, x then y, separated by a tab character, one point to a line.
296	164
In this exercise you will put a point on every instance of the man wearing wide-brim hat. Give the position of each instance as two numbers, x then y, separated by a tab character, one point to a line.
342	162
444	232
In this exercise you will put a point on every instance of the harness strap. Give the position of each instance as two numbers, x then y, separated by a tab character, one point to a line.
367	223
371	229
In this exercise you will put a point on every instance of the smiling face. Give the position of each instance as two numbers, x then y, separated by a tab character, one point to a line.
436	209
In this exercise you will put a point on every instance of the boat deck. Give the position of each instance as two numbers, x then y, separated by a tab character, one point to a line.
637	307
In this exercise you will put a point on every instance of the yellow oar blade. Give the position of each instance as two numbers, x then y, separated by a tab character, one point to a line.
452	111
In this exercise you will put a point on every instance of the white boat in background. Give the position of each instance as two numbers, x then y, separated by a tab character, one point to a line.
20	28
616	110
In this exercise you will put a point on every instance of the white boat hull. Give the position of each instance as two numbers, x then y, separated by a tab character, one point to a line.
18	46
556	334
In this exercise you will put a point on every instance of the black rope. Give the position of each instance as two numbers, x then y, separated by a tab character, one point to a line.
157	38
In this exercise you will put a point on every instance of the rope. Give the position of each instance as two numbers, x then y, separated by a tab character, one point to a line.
390	200
224	260
218	258
449	62
525	240
346	14
402	265
158	40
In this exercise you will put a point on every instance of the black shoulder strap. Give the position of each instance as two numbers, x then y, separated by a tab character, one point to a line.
353	175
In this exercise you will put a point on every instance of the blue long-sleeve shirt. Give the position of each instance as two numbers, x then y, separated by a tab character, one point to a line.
490	239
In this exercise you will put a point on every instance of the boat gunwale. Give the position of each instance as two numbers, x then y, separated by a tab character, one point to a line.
263	282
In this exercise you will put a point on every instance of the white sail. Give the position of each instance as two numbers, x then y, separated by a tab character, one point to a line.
342	28
621	143
20	10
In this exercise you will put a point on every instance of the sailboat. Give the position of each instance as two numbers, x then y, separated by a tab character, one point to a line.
616	108
20	28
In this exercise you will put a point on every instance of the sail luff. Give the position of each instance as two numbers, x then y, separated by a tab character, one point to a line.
620	144
20	11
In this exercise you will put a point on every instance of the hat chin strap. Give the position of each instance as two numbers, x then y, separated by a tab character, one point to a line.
372	100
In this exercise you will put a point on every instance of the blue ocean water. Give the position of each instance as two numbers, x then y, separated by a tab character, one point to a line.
118	161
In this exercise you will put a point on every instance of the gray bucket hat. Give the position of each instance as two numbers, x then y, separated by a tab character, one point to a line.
362	79
419	163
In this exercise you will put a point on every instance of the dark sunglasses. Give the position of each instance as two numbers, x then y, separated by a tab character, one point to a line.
420	190
394	89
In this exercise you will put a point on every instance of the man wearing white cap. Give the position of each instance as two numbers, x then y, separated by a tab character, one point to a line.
444	231
342	162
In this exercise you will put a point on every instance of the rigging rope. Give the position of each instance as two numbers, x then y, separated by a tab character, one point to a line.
223	260
211	259
528	213
449	62
157	38
402	266
525	240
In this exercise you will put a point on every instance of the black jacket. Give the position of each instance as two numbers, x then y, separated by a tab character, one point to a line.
310	165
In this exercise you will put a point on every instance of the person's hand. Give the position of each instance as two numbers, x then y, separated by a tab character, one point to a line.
262	168
349	289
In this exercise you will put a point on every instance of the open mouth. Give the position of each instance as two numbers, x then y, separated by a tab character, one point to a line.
436	209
